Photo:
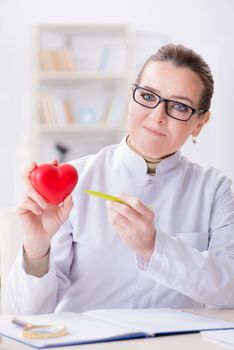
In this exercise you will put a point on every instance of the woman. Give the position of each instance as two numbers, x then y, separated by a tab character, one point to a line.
83	255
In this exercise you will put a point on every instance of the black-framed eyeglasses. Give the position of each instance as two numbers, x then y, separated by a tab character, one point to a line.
173	109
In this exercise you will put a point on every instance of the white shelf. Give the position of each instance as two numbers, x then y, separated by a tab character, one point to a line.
86	29
76	76
79	128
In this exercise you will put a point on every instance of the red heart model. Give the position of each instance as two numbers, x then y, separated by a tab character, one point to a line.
54	182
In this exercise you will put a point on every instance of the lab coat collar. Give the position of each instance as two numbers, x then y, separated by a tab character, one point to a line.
137	164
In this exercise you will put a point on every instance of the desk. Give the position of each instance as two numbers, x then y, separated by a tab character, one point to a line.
175	342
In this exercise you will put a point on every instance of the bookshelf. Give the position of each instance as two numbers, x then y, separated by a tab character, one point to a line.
82	78
82	81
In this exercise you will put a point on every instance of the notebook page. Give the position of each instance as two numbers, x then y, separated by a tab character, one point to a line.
159	320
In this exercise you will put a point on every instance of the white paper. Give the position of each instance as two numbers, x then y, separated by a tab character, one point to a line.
159	320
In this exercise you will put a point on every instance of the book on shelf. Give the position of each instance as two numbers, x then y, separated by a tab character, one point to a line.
56	111
57	60
47	115
111	325
68	112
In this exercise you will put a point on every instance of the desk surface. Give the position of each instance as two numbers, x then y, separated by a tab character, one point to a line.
175	342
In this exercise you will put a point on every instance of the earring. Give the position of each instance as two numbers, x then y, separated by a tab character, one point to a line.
194	140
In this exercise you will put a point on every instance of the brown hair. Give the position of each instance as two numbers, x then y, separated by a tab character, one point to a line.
181	56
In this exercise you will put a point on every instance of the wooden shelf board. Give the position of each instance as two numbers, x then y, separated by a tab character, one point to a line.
79	128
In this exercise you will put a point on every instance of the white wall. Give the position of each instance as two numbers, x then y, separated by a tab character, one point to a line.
204	25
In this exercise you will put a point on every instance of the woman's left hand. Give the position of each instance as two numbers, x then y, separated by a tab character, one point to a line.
134	223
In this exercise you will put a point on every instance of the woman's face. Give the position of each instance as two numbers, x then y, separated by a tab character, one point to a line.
152	131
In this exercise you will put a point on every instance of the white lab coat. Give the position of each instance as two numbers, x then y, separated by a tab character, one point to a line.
90	267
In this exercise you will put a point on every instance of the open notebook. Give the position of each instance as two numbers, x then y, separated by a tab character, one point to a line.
109	325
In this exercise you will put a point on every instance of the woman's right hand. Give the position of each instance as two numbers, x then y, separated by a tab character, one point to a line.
40	219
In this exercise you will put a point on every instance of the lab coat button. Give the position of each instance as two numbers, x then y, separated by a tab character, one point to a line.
149	183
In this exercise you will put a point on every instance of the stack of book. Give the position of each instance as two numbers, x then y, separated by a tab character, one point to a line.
55	110
57	60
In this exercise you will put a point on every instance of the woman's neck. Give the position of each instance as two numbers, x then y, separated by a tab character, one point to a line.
146	158
151	162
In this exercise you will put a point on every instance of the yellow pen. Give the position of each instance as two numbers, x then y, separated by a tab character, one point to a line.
105	196
109	197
